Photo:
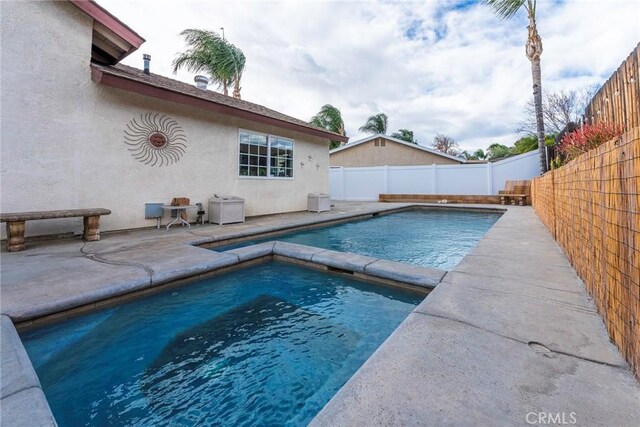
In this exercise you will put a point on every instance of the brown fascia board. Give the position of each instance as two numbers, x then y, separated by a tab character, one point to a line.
120	82
103	16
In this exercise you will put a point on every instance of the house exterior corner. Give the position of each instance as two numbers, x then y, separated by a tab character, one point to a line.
69	142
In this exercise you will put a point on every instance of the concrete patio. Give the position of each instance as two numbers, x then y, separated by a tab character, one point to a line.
508	333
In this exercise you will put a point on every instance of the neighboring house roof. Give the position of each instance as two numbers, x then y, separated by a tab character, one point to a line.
135	80
398	141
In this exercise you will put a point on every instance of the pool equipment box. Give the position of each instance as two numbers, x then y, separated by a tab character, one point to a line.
226	209
319	202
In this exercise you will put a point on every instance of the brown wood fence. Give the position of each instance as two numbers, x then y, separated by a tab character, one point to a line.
592	207
618	101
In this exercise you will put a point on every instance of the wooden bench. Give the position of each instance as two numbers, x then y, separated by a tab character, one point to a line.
15	224
515	190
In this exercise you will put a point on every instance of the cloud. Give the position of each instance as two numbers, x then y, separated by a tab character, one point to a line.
446	67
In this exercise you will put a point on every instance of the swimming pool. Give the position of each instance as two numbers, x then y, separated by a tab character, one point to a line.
429	238
265	345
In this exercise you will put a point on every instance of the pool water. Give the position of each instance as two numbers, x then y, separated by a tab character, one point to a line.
265	345
429	238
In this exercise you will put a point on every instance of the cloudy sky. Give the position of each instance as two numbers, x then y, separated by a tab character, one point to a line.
444	66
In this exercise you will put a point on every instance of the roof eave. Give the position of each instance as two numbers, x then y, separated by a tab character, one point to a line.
100	14
399	141
120	82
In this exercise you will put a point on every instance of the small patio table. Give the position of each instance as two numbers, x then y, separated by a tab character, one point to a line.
179	210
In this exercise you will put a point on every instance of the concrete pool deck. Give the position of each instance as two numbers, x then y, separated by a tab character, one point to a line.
510	331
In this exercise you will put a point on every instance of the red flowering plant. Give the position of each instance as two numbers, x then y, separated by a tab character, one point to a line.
586	138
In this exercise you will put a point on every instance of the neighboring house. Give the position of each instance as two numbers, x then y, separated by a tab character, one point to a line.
80	131
382	150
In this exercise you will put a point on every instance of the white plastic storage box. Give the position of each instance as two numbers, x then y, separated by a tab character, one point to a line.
319	202
226	209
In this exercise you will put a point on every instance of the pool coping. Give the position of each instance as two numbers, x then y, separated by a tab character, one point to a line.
191	259
23	402
510	337
361	267
22	399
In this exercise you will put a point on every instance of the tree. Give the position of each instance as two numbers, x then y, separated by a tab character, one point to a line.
506	9
375	124
479	154
404	135
525	144
212	54
496	151
329	118
558	109
446	144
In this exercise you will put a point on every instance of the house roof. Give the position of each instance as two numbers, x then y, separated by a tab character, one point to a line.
398	141
112	40
135	80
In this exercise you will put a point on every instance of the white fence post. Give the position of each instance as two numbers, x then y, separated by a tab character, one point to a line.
434	175
386	179
489	178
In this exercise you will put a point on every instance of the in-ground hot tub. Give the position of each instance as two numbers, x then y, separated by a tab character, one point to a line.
265	345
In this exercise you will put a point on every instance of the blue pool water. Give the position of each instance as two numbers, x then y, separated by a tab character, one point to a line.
430	238
266	345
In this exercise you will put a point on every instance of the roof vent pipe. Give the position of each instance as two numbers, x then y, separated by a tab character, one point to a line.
201	82
147	59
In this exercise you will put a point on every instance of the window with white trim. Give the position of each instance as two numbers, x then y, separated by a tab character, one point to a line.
266	156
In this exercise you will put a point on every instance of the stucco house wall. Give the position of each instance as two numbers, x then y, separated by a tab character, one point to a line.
391	154
63	136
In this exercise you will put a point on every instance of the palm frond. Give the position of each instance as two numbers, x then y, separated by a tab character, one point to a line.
209	52
505	9
194	62
375	124
329	118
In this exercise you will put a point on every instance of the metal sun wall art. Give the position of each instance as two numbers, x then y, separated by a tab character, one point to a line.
155	139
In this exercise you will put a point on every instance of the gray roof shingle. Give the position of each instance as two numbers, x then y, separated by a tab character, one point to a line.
137	75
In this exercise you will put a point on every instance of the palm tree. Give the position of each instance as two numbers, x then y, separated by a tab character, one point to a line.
212	54
329	118
375	124
404	135
505	9
497	151
479	154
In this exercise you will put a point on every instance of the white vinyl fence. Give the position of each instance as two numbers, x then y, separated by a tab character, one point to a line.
480	178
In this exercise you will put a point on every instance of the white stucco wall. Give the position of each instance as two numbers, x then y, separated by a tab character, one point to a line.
63	144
